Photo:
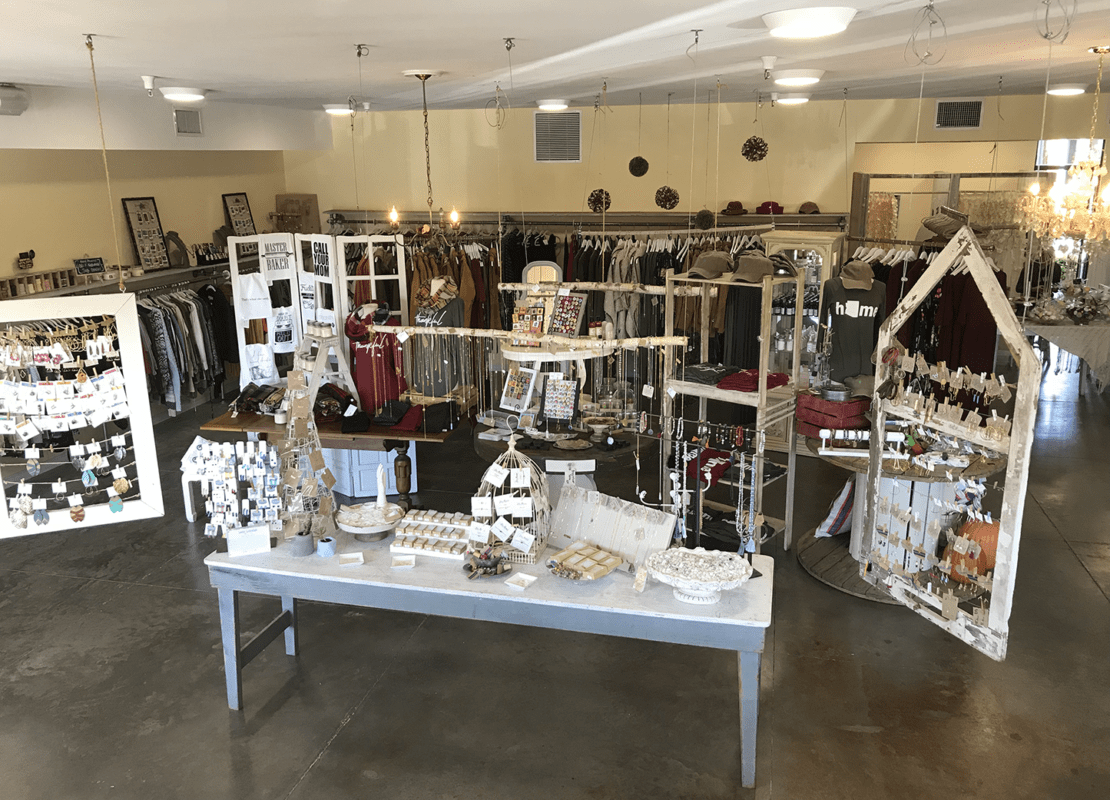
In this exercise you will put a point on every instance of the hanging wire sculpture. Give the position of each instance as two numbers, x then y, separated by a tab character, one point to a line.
666	197
638	166
927	44
599	201
754	149
1054	19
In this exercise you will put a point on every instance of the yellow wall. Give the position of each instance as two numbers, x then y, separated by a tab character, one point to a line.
55	202
478	167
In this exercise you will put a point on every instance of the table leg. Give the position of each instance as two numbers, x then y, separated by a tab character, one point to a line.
229	633
402	471
748	671
291	644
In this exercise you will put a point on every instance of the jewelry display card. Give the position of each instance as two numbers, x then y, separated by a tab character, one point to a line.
566	315
517	393
528	320
239	218
146	232
560	399
87	353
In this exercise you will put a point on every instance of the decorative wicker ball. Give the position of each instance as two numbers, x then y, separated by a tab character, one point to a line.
666	198
638	166
703	220
986	534
599	200
755	149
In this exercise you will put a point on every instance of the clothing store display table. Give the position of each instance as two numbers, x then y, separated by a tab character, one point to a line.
608	606
331	433
1090	343
489	450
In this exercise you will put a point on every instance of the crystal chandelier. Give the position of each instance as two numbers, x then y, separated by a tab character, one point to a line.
1074	207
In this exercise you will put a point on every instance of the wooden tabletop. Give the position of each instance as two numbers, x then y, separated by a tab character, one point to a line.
331	433
980	466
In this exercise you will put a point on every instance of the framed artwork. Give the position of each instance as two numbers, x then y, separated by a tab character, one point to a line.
560	399
238	211
566	313
87	416
146	232
528	319
517	393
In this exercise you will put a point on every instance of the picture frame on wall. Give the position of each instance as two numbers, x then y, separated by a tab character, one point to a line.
238	211
146	233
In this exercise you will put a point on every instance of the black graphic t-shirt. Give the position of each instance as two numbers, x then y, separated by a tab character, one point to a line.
854	316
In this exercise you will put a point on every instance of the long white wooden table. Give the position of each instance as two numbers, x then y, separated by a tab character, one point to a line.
435	586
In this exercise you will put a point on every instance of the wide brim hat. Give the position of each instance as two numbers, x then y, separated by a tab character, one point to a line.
734	208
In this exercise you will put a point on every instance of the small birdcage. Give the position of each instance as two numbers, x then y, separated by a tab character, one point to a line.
534	490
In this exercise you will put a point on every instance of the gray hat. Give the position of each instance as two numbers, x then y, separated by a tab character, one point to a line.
711	264
857	275
751	267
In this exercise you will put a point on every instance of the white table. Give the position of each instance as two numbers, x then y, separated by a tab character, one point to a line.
608	606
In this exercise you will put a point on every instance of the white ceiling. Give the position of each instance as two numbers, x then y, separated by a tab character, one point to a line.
301	54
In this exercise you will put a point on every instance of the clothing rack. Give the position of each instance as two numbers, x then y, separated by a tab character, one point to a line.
907	242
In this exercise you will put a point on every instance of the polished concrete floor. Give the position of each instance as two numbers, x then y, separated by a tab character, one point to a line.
111	677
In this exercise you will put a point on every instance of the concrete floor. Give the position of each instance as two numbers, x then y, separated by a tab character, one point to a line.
111	677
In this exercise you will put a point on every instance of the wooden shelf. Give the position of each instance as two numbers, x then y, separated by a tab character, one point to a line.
780	394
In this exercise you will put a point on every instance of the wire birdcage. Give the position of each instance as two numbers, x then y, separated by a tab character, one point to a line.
539	523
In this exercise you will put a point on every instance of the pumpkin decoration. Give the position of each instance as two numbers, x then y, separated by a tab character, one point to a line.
985	534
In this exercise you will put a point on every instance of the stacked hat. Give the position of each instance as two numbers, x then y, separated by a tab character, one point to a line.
711	264
752	266
784	265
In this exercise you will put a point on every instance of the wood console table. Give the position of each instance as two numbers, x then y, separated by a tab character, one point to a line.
609	606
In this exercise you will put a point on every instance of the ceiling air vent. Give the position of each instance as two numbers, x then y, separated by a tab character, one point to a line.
558	136
955	114
186	121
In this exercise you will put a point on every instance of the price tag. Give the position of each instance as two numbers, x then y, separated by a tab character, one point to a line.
496	474
481	507
402	337
522	540
671	392
522	507
74	500
564	292
119	472
521	478
111	490
505	504
39	504
31	452
119	441
502	529
648	391
76	450
13	503
478	532
58	488
92	447
23	488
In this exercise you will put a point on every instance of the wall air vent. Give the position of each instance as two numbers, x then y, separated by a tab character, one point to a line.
558	136
186	121
959	114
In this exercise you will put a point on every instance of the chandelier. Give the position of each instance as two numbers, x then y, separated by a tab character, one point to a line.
1074	207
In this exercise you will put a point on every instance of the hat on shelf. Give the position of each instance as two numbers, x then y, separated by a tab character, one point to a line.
751	267
809	207
857	275
734	209
711	264
770	207
783	265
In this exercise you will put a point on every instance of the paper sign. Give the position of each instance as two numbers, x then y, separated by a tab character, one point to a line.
248	540
522	540
496	474
505	504
325	505
327	478
648	391
502	529
479	532
520	478
481	507
402	337
316	460
59	487
296	379
522	507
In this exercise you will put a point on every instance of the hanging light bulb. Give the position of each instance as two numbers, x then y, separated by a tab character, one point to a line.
454	217
394	217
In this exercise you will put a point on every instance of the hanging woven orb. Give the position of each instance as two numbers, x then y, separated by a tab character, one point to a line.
703	220
755	149
666	198
599	201
638	166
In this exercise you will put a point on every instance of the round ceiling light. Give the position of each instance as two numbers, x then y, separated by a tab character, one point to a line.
791	99
808	23
797	77
552	105
338	109
1067	89
182	94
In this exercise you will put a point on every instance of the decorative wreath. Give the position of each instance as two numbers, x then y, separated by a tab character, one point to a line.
599	201
755	149
638	166
703	220
666	198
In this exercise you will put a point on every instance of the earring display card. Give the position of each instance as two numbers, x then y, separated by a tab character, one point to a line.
566	315
238	211
146	232
560	399
528	320
517	393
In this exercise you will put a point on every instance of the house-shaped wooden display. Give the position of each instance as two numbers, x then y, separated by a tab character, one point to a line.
978	614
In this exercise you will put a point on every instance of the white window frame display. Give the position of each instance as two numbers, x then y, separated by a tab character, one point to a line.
344	278
124	309
261	242
324	255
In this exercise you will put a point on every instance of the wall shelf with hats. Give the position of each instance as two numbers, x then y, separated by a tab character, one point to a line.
770	388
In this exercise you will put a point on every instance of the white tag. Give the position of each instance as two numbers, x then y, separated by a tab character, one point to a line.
402	337
521	478
502	529
31	452
522	507
58	488
39	503
481	507
76	450
479	532
13	502
593	498
119	441
23	488
92	447
522	540
648	391
564	292
119	472
74	500
111	490
671	392
505	504
248	540
496	474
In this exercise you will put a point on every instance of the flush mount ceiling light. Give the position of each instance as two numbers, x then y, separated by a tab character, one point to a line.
339	109
182	94
797	77
1067	89
808	23
552	105
794	99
